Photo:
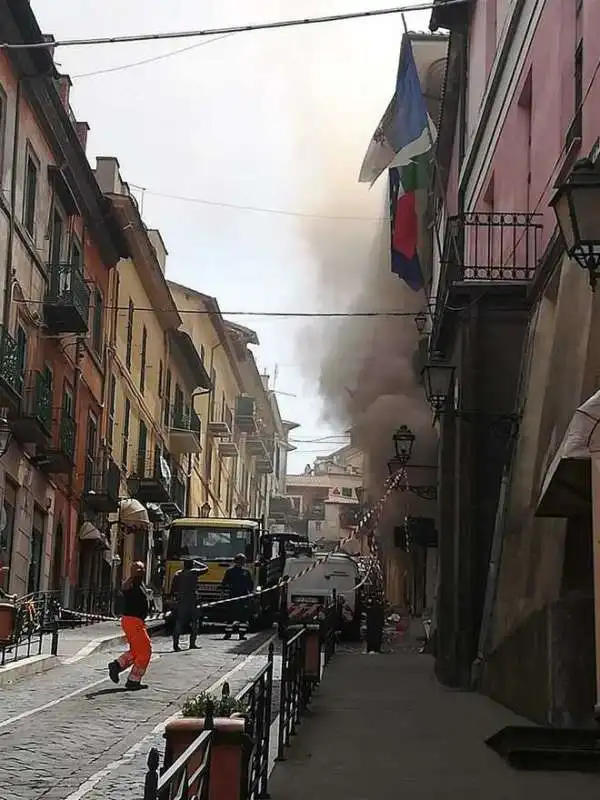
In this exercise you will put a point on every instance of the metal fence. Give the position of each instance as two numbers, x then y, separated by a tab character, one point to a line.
30	621
183	781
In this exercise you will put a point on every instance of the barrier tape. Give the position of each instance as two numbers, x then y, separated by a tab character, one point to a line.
369	517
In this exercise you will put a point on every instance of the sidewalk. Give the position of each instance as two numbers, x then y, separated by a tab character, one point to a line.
74	644
382	727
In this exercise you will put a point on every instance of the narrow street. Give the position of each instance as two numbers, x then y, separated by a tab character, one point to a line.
71	734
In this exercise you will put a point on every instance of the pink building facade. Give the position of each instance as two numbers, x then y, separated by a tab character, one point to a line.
518	322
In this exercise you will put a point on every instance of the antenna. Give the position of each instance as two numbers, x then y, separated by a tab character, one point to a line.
275	374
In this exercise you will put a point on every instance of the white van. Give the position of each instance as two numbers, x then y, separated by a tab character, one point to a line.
308	595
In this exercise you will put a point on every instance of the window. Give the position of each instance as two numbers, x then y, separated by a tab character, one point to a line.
97	322
167	398
21	355
7	533
36	551
578	88
90	453
213	394
2	128
160	378
30	193
142	449
112	399
219	477
178	421
75	254
346	491
129	335
202	353
126	422
209	460
68	405
143	359
56	237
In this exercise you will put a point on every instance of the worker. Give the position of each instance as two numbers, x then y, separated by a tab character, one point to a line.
136	605
185	587
237	582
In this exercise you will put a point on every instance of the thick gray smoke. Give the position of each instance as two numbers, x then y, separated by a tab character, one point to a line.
366	376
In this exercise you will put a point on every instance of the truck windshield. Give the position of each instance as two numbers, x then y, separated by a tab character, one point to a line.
209	544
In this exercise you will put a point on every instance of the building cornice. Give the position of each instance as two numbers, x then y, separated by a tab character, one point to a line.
36	70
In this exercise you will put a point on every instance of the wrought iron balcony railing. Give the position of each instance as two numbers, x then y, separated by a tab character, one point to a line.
11	371
32	423
67	300
490	246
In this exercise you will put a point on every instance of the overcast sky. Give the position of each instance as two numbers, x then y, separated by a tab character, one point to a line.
275	120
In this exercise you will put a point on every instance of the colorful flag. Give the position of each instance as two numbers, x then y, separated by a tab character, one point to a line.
404	222
406	131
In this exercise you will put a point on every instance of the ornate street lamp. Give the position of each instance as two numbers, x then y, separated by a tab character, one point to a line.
205	510
420	321
404	440
576	206
5	436
438	377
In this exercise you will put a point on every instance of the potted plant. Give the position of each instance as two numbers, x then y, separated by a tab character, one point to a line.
231	747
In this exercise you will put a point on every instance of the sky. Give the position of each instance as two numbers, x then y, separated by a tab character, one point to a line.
244	127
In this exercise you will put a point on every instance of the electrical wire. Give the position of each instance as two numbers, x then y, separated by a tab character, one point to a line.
269	314
192	34
151	60
258	209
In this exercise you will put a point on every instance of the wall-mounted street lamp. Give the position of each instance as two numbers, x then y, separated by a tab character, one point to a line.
404	440
438	379
205	510
428	492
576	204
6	436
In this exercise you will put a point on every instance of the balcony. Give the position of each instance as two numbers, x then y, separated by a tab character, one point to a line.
67	301
486	256
11	375
177	506
255	446
315	512
245	414
219	429
56	456
102	485
228	449
263	465
151	480
32	422
185	431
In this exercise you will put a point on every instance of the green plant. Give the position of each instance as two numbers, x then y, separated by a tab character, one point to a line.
223	706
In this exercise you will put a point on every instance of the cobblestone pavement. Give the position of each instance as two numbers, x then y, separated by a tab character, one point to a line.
70	733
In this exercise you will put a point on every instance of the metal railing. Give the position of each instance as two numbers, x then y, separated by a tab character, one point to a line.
185	419
35	616
10	362
68	287
181	781
294	692
257	697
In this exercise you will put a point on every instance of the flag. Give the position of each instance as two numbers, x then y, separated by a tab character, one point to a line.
404	223
406	131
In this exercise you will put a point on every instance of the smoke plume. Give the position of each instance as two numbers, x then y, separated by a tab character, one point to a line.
366	375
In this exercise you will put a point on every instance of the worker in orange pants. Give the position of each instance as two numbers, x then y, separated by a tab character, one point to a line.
136	606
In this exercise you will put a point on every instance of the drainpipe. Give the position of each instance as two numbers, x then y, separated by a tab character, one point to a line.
77	373
8	279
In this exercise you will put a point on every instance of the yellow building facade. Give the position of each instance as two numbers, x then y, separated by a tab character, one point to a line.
154	370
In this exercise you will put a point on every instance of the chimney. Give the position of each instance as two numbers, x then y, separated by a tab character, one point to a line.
63	84
82	130
159	247
265	381
107	175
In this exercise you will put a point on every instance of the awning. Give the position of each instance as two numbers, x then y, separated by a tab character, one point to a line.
133	513
90	533
567	490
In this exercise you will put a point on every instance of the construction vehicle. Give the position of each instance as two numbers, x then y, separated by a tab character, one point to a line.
332	577
215	542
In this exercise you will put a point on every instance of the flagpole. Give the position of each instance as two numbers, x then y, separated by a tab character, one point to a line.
437	179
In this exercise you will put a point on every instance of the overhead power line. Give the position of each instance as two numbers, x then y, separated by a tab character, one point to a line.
261	26
274	314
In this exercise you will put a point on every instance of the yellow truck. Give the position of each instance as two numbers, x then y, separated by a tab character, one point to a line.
215	542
